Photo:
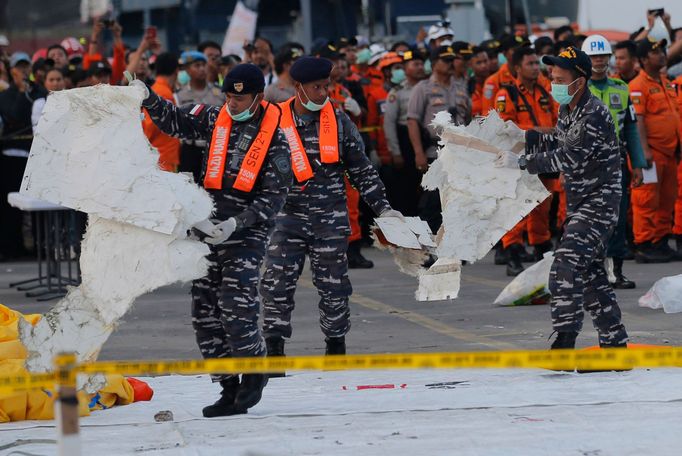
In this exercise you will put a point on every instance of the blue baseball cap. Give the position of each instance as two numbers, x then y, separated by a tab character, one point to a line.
188	57
19	57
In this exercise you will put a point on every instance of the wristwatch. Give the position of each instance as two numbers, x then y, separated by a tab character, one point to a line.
522	162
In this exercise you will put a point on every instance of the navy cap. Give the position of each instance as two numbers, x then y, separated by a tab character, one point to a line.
413	54
244	78
571	59
443	52
308	69
463	49
648	44
99	68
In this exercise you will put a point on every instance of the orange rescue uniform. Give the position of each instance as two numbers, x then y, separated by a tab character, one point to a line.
677	228
528	110
494	83
168	146
653	204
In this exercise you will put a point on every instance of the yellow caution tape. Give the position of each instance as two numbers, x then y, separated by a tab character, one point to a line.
611	359
15	383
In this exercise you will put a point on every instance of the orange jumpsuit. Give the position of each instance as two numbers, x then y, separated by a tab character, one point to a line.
168	146
338	95
653	204
677	228
495	81
528	110
476	92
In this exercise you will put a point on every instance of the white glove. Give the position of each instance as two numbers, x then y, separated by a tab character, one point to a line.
222	231
352	106
205	226
506	159
140	86
392	213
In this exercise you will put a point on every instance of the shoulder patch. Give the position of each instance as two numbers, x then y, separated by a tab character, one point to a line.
488	91
282	164
197	109
391	98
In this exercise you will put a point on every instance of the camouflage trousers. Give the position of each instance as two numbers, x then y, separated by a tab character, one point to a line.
578	280
225	307
289	244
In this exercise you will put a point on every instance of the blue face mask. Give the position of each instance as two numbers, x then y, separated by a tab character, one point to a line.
364	56
311	105
245	114
501	59
398	75
560	93
427	67
183	77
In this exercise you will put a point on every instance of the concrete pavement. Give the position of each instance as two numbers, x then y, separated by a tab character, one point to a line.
385	315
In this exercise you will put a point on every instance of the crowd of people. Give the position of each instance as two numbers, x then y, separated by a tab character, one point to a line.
322	140
391	92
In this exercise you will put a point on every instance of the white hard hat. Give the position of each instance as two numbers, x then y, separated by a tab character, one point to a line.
438	31
596	45
4	41
378	51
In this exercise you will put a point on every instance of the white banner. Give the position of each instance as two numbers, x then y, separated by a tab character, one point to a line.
242	28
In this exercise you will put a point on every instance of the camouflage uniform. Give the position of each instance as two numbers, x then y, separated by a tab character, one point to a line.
225	307
314	221
585	149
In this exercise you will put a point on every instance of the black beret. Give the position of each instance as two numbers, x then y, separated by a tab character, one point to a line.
244	78
308	69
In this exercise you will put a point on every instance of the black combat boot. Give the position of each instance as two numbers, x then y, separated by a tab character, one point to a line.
335	346
250	390
646	253
501	256
564	339
275	347
514	266
355	258
663	246
621	282
540	250
526	256
225	405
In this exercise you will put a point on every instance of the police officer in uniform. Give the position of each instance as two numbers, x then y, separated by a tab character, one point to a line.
584	147
325	145
438	93
615	94
397	136
198	90
247	171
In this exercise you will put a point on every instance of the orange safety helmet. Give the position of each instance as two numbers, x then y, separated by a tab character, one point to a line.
389	59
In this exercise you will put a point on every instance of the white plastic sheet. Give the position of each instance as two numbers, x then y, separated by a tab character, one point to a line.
666	294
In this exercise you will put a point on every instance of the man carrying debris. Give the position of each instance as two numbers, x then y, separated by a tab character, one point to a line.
247	170
325	145
584	147
526	103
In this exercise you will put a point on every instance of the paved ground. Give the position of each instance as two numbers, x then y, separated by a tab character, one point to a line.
385	315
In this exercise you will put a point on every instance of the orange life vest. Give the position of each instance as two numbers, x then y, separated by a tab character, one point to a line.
254	158
329	141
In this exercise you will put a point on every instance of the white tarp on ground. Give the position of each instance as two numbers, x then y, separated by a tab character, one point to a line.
90	154
439	412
